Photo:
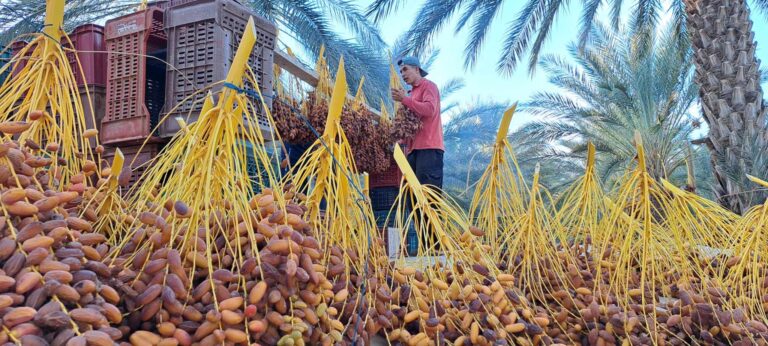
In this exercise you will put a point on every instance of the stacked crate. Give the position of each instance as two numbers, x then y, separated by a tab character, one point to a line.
203	36
137	46
86	42
389	178
384	189
253	165
136	77
137	160
16	47
5	57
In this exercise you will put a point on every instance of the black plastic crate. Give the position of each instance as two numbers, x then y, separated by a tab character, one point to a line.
383	198
5	57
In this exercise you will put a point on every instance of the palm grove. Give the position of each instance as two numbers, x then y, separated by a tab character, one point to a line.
721	46
628	74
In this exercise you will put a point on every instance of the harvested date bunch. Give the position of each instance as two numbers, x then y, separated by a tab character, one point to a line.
405	125
370	140
54	287
461	312
689	314
291	128
271	289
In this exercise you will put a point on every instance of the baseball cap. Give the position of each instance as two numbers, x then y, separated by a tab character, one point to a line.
413	61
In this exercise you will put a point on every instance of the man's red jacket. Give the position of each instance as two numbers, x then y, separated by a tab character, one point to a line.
424	101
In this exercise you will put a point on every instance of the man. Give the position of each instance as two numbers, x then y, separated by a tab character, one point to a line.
425	150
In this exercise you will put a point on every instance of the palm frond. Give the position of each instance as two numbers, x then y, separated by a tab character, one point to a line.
519	34
310	26
428	22
380	9
483	19
646	14
616	13
467	14
451	87
355	21
546	25
587	20
761	5
613	89
763	75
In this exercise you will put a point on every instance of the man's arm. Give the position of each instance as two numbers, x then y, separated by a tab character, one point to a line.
424	108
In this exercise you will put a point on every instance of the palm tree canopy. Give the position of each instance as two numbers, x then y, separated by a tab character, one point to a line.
310	23
530	29
620	83
469	137
469	143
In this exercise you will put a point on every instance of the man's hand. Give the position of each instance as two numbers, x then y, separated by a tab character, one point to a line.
398	94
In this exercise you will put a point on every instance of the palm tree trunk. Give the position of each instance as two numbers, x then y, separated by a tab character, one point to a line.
727	72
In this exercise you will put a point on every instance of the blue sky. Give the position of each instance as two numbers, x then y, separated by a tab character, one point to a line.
483	82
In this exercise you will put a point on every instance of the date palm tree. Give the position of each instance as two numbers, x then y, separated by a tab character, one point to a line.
607	91
614	88
721	37
469	139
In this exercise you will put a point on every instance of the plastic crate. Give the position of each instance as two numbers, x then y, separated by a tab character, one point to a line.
393	242
203	36
166	4
16	47
88	41
136	161
383	198
381	219
5	57
411	241
98	99
251	166
389	178
135	76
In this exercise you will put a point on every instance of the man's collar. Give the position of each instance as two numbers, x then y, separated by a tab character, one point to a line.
420	82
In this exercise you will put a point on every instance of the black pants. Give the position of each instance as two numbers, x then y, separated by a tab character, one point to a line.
428	166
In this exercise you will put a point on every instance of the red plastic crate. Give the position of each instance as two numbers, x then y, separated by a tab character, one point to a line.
88	41
98	99
166	4
202	40
135	82
16	47
137	161
389	178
